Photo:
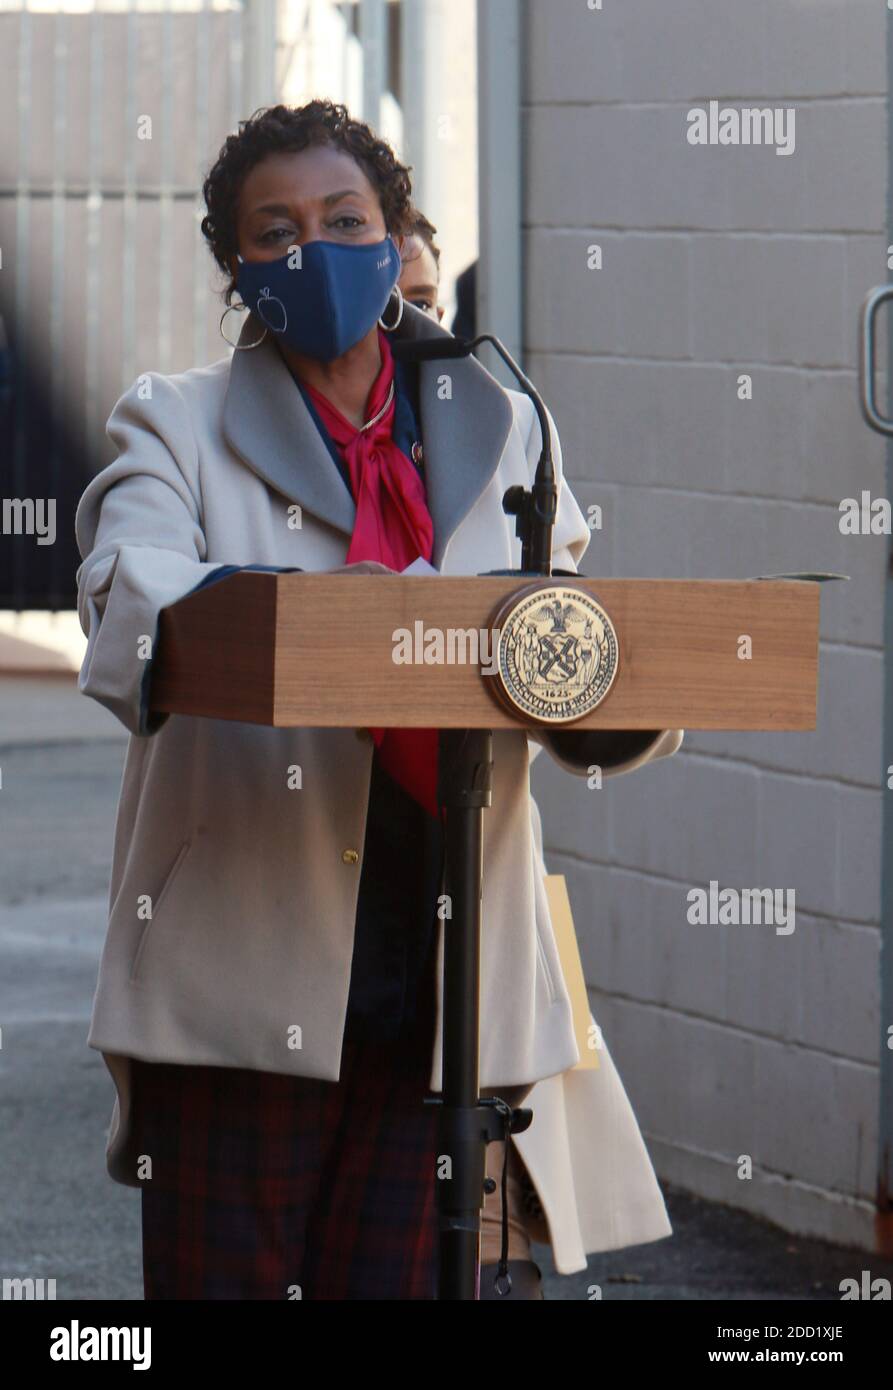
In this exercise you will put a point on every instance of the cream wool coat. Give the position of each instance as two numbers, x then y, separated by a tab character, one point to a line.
246	958
586	1157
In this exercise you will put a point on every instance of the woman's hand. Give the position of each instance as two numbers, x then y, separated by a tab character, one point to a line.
362	567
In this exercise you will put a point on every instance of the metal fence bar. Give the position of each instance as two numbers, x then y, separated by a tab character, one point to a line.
165	205
129	220
22	282
499	280
373	37
259	63
92	314
201	291
238	21
60	260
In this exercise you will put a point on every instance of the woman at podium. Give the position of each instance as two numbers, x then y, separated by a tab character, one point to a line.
268	1001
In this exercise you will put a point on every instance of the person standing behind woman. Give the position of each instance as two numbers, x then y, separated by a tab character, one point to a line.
420	267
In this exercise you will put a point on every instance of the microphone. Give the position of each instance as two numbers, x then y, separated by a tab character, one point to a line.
429	349
534	508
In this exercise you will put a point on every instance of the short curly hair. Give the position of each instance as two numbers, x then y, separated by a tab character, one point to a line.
272	129
423	231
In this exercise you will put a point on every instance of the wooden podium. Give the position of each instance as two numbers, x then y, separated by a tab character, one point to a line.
317	649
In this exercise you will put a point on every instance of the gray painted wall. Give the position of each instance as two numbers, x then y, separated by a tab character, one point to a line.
717	261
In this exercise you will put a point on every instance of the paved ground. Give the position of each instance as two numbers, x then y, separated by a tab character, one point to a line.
61	1217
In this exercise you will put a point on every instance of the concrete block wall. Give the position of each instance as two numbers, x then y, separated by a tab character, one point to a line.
718	261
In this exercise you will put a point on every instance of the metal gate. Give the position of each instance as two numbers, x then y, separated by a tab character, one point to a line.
107	118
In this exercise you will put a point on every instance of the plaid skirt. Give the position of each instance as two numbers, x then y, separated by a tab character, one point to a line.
270	1186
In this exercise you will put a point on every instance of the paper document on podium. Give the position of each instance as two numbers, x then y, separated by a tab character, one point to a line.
420	566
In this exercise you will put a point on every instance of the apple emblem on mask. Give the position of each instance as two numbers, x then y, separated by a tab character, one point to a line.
271	311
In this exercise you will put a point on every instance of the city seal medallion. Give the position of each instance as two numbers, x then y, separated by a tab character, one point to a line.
556	653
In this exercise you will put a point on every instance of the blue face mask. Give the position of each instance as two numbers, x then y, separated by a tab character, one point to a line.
328	304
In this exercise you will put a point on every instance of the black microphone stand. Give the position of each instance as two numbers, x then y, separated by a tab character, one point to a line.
469	1122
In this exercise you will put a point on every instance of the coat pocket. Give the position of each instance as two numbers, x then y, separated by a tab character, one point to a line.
156	907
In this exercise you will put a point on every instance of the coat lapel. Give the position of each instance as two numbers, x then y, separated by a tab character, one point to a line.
466	421
466	417
269	426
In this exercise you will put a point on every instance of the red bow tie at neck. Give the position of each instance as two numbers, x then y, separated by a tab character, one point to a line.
394	527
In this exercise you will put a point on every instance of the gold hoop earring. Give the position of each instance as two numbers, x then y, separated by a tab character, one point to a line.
389	327
236	346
